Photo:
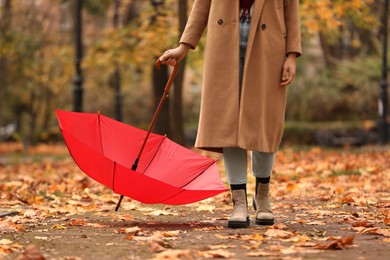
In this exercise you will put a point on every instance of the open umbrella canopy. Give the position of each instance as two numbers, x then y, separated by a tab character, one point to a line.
167	173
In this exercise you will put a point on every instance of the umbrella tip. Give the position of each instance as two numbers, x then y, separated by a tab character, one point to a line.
54	108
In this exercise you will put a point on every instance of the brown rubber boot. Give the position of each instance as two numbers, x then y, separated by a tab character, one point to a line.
262	205
239	217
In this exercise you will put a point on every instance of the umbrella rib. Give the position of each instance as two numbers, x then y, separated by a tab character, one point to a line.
163	201
100	133
154	156
197	175
113	177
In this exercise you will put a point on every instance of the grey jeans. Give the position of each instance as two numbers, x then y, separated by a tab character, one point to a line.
236	161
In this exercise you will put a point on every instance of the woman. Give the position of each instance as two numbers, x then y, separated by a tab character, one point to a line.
250	55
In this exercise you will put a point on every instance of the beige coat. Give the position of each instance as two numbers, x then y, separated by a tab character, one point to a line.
256	121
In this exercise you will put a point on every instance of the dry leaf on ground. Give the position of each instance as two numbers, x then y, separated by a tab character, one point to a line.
341	243
218	253
173	254
31	253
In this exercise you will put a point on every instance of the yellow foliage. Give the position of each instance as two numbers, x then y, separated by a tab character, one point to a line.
329	16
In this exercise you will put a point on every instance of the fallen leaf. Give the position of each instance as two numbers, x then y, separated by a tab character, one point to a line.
280	226
291	186
209	228
262	254
5	241
161	213
300	238
5	249
206	207
256	237
132	231
219	253
97	225
171	233
362	223
278	233
332	238
157	246
78	222
227	237
290	250
31	253
316	222
373	231
386	221
129	237
306	244
172	254
341	243
213	247
41	238
59	226
10	227
124	217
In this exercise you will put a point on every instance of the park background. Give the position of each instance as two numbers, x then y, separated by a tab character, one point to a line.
331	181
334	99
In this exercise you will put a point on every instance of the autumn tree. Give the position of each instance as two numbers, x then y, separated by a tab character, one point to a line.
344	28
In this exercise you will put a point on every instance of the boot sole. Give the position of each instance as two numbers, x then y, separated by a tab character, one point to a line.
265	222
239	224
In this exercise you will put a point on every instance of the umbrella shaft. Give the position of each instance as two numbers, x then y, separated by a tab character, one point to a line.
164	96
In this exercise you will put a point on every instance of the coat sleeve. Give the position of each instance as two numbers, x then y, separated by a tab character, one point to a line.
293	26
196	23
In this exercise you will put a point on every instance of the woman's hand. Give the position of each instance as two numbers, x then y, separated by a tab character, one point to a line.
175	55
289	69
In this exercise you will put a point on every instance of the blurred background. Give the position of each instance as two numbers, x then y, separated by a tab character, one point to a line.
99	55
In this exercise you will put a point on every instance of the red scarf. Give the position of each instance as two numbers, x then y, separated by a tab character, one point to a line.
245	9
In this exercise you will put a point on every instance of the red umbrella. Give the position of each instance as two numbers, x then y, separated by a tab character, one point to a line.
144	166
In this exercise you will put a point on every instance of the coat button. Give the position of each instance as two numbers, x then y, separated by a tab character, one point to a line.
220	21
263	26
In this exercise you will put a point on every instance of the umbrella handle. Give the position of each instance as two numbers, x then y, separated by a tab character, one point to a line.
164	96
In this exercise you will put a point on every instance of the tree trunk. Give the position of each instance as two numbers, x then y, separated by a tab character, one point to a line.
178	123
117	73
132	11
326	50
160	78
30	139
47	110
5	23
